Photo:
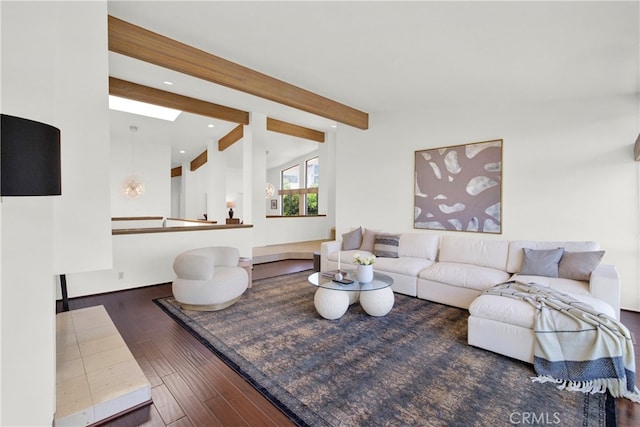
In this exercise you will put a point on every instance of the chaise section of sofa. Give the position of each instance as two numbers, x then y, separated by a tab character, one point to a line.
506	325
603	282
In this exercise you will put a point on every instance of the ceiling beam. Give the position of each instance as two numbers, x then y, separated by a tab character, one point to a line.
126	89
198	161
136	42
279	126
229	139
177	171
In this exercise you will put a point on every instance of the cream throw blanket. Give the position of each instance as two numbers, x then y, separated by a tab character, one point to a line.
576	347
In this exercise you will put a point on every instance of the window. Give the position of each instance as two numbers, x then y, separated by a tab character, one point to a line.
290	198
313	175
300	189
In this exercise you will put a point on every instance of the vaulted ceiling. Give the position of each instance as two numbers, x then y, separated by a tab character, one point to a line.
395	56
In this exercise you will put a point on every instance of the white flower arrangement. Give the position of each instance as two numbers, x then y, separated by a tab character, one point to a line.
369	260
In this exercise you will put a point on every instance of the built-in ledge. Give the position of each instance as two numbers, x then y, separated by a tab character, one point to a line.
97	377
158	224
174	229
296	216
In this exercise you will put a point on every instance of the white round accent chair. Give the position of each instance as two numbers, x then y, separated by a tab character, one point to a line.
209	279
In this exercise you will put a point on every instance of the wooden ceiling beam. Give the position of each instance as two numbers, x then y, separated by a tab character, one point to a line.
199	161
136	42
232	137
129	90
279	126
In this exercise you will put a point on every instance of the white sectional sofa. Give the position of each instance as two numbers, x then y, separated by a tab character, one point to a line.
455	270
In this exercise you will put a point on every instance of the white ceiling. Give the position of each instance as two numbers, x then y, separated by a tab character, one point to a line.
391	56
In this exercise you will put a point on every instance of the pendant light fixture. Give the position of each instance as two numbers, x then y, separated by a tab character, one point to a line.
269	190
133	186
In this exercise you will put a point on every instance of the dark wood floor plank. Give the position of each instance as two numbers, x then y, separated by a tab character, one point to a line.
193	407
256	417
217	369
188	370
153	354
149	371
226	413
244	397
166	404
182	422
189	345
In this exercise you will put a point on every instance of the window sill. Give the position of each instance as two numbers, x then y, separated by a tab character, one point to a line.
296	216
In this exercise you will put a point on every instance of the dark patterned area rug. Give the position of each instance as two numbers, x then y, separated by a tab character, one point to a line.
411	367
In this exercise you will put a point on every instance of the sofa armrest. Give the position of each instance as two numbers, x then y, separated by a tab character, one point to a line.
327	248
604	284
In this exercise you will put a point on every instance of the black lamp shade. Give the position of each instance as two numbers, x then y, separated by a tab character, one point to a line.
30	155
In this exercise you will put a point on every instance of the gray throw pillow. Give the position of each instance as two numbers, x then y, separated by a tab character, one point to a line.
386	245
541	262
352	239
368	240
579	265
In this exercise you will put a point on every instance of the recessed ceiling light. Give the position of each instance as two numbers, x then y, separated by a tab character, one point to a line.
334	126
182	151
142	108
211	125
168	83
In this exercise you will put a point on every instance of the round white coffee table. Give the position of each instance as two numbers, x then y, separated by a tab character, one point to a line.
332	299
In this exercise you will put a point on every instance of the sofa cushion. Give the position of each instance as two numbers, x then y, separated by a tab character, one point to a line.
346	257
368	240
519	312
577	287
486	253
514	260
409	266
386	245
541	262
419	245
464	275
503	309
352	239
579	265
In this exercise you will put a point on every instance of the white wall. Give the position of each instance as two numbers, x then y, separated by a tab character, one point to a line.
176	191
568	172
194	191
234	192
82	217
216	184
48	74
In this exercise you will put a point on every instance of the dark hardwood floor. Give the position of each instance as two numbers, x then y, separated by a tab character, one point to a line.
192	387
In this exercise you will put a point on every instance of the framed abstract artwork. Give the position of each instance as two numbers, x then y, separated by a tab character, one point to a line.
459	188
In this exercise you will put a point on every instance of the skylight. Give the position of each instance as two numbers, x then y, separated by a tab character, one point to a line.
142	108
